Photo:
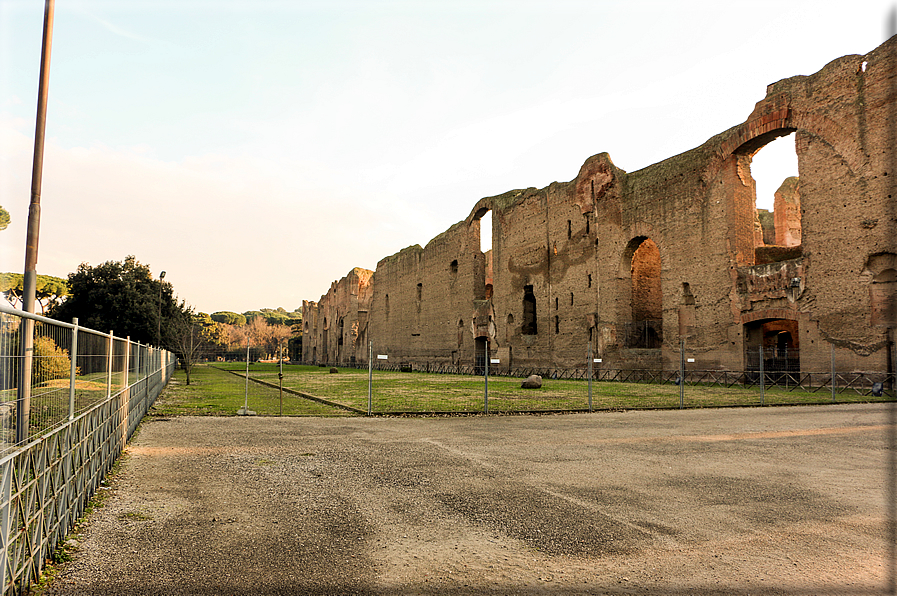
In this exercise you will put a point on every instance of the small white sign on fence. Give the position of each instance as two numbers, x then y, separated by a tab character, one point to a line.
494	361
382	357
596	360
689	359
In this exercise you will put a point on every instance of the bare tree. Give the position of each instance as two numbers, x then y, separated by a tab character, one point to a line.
185	336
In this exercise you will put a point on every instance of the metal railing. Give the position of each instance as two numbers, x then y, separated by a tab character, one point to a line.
773	376
89	391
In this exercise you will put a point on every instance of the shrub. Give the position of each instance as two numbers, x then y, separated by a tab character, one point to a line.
50	361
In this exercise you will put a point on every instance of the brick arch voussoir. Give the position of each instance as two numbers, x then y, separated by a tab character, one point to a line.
770	313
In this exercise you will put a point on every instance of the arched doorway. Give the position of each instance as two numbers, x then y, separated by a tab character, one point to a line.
774	342
645	327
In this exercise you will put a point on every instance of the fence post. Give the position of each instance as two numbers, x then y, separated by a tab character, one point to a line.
125	393
280	378
137	363
127	366
589	356
246	390
762	379
73	373
486	378
833	373
370	373
681	372
109	349
23	392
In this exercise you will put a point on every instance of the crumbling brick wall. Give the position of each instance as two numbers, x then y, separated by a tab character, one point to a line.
568	254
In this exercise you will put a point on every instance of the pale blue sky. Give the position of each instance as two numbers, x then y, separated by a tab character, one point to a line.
257	151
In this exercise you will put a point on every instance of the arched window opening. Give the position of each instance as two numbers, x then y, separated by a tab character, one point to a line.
481	230
770	174
646	327
486	232
529	312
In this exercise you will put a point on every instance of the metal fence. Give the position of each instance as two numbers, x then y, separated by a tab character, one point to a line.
389	387
88	392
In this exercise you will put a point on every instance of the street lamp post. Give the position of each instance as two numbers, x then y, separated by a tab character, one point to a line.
29	279
159	320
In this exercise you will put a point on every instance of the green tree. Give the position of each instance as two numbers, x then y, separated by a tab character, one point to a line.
122	297
49	290
4	218
228	318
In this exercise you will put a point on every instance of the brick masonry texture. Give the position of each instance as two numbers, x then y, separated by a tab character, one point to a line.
632	263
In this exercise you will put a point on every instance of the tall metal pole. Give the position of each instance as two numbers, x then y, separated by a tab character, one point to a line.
29	282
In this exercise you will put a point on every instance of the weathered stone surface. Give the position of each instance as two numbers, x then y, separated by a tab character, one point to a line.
786	212
572	263
532	382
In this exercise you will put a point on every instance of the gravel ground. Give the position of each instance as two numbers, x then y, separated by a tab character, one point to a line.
733	501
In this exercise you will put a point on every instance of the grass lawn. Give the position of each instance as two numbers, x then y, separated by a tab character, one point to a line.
214	392
427	392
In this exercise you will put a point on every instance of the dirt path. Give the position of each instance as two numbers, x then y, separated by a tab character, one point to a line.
746	501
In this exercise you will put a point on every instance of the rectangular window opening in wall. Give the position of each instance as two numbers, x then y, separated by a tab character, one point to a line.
528	326
571	298
556	303
590	280
557	324
569	229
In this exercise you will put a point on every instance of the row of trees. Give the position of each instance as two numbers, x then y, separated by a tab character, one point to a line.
125	297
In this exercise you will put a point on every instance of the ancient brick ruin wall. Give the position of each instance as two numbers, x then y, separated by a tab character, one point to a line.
567	250
335	329
786	213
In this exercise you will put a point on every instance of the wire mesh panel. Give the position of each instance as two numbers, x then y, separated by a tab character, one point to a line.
50	377
86	395
10	345
92	371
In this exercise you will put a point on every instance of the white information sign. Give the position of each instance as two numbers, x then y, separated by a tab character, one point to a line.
382	357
